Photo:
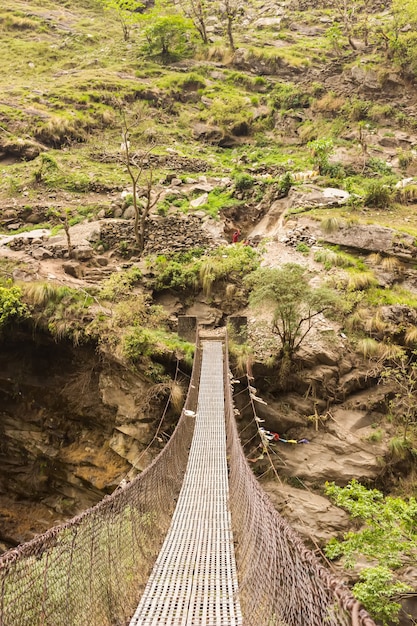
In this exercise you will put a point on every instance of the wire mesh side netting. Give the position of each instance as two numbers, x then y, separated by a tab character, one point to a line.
91	570
281	582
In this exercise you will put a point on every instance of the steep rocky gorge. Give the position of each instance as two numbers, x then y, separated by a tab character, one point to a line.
75	421
73	424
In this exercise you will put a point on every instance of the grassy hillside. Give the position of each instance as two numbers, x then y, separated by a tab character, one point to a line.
294	96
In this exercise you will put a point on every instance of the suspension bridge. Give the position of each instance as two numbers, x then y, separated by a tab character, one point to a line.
192	541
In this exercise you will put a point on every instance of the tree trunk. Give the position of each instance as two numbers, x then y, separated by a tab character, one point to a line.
230	32
137	213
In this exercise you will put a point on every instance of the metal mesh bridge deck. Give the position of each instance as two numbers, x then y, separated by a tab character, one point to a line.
194	581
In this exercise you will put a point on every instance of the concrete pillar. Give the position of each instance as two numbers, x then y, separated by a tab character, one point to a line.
187	327
238	327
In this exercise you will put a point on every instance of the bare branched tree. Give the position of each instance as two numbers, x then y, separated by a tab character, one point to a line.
402	374
346	10
142	177
126	11
196	11
229	10
63	215
354	18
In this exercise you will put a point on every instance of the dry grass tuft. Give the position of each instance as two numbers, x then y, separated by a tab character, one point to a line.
410	338
359	281
359	319
40	294
329	103
177	396
220	53
331	224
377	350
376	324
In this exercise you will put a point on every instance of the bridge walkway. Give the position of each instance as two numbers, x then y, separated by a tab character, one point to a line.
194	580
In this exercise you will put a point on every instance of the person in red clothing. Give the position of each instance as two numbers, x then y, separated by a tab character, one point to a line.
236	235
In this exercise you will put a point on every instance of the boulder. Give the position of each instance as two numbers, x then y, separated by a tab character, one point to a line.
200	201
398	314
310	514
272	23
73	269
329	458
83	253
102	261
204	132
307	195
24	149
41	253
129	213
373	238
202	187
365	77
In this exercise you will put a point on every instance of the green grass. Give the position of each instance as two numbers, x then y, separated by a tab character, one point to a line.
218	200
376	296
333	257
142	342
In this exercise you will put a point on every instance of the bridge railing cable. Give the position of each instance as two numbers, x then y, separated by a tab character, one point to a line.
281	582
91	570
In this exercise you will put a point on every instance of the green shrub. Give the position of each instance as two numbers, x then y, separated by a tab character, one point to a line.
378	194
228	264
285	183
289	96
244	181
379	166
120	284
376	591
217	200
334	258
303	248
176	271
168	34
405	158
150	342
388	533
11	305
321	150
356	109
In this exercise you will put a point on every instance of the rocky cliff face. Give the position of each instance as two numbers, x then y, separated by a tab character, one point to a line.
72	425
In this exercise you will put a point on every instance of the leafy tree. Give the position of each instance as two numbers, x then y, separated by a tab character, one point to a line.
167	34
353	16
399	34
346	11
321	150
126	11
405	11
229	10
334	36
295	304
47	164
388	537
11	305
